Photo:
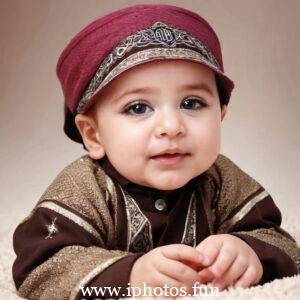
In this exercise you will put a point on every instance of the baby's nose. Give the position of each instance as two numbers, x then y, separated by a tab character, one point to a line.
170	124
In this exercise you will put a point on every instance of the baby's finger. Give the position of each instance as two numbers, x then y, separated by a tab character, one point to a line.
249	277
177	271
160	279
236	270
223	262
194	265
206	276
210	249
181	252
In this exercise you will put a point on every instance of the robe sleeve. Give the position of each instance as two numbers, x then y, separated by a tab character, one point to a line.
245	209
68	241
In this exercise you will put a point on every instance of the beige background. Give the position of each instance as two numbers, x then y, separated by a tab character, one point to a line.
261	51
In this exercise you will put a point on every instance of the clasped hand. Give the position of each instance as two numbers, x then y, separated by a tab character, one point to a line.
224	260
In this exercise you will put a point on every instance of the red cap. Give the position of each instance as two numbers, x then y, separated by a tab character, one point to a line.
125	38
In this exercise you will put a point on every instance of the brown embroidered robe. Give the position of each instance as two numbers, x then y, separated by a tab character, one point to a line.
91	224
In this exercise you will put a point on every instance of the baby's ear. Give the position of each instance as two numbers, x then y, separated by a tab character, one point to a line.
223	111
90	135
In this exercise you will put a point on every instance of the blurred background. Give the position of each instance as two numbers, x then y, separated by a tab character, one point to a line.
261	53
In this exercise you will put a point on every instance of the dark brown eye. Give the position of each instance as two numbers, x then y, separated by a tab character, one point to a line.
192	103
138	109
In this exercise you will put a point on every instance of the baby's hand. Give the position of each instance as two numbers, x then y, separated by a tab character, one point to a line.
230	262
170	265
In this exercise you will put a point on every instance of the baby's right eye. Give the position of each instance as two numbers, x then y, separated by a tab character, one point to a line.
137	109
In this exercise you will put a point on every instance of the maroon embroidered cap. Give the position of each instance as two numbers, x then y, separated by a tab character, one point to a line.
128	37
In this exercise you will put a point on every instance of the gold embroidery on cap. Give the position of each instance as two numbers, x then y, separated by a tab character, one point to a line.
151	54
159	35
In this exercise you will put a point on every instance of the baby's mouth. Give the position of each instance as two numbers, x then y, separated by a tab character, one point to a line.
169	158
169	155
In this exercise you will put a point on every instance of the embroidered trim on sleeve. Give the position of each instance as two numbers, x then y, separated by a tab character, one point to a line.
272	237
71	216
243	211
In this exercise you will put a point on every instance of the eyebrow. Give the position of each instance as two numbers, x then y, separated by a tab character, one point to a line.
197	86
190	86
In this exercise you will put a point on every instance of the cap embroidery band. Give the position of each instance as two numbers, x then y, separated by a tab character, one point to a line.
161	41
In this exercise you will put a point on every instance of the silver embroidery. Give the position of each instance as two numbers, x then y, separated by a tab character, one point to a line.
148	55
159	35
52	229
111	191
189	234
110	195
139	236
71	216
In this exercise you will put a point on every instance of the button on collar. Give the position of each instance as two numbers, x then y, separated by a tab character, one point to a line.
160	204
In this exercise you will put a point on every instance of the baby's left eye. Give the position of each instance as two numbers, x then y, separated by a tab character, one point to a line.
138	108
192	103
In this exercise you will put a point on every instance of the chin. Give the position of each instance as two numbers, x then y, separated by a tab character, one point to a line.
168	186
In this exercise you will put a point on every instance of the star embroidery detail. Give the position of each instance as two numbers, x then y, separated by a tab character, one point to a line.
52	229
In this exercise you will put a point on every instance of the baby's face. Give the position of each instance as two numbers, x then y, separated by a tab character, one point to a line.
159	123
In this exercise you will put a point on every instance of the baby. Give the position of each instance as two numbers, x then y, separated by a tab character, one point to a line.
153	202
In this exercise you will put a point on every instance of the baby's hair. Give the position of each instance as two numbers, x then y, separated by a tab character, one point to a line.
221	92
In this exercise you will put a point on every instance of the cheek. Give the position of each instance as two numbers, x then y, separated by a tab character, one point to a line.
124	137
206	141
207	130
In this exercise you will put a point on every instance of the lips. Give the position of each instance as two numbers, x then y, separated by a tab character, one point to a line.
168	155
169	158
171	151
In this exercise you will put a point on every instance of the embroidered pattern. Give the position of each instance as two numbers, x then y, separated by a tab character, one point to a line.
159	35
281	240
139	238
52	229
148	55
189	234
71	216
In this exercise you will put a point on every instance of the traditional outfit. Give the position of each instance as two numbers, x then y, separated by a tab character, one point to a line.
91	224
